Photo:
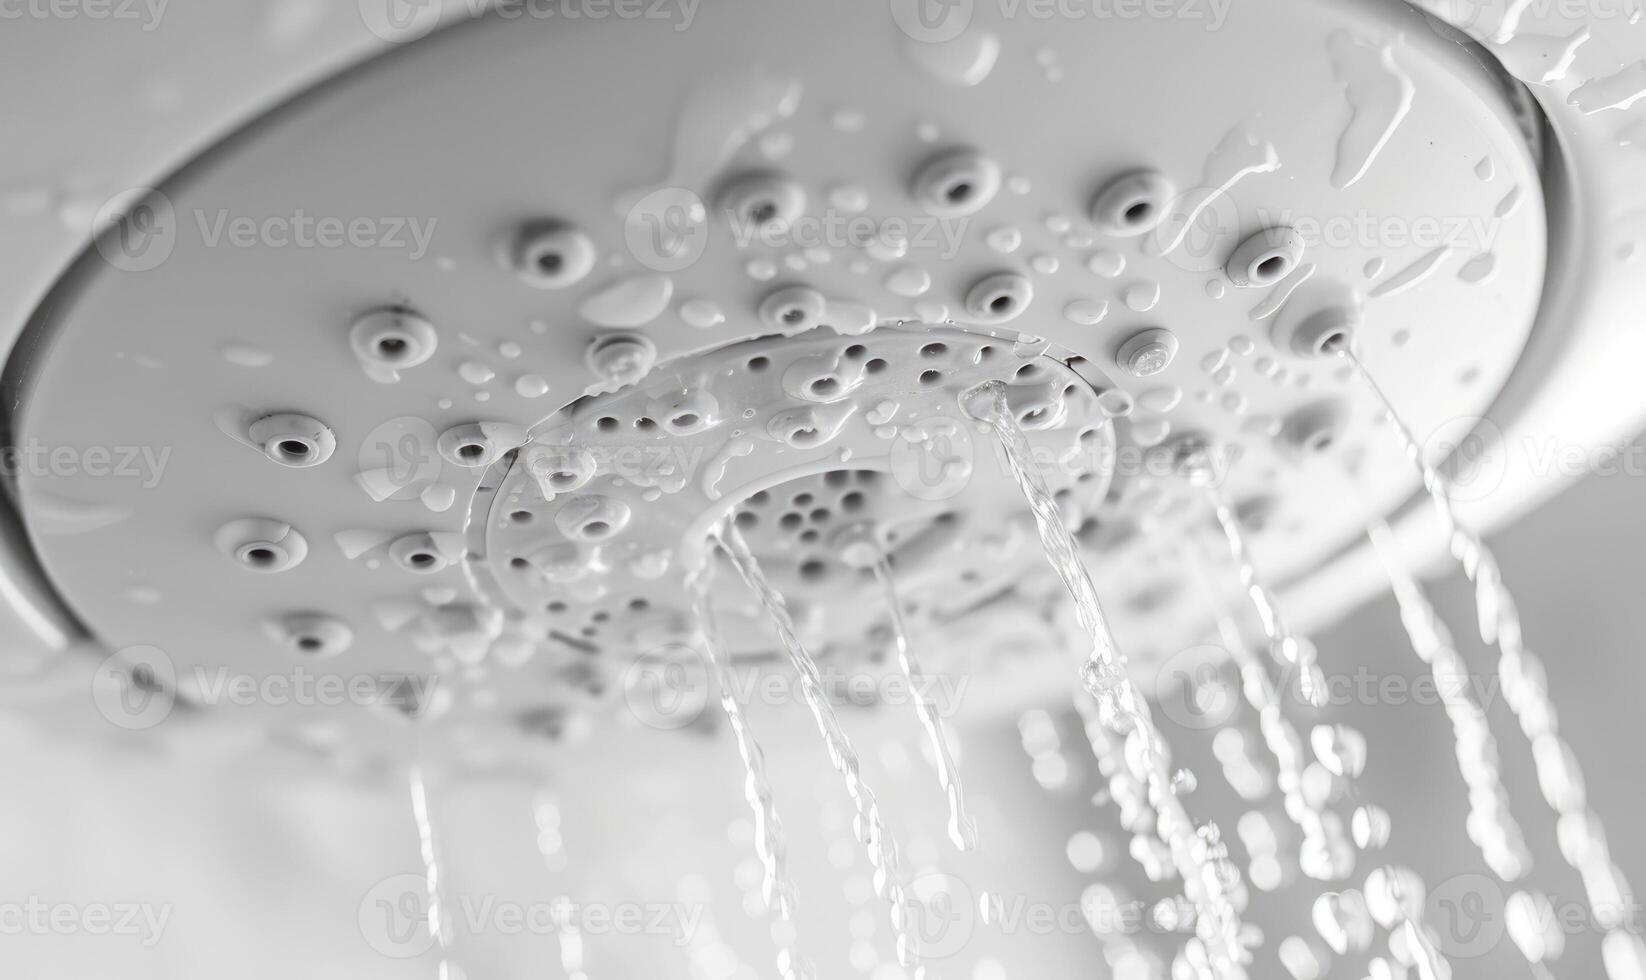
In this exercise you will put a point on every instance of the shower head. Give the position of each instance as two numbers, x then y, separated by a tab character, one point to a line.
434	395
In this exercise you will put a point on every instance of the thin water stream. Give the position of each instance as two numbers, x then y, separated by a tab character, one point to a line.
430	850
777	888
1491	825
962	828
1284	645
1279	734
1525	688
1209	877
546	817
870	829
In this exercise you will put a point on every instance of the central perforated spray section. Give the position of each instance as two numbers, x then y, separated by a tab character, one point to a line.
585	534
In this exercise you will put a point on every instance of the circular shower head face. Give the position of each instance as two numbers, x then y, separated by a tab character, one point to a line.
432	390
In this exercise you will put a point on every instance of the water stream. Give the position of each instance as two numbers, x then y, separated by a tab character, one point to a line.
1525	688
430	851
871	831
1279	734
1219	949
777	888
962	828
1490	824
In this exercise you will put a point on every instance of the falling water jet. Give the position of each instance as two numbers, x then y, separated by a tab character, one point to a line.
1525	688
871	832
430	851
1284	646
1199	856
1279	734
1491	824
860	548
778	888
546	816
